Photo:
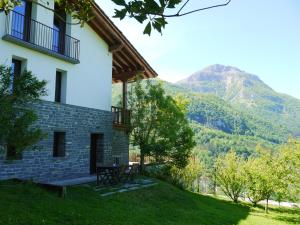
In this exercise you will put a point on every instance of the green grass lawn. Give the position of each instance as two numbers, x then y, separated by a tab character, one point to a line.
161	204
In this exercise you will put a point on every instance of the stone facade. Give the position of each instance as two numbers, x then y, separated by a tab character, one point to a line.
78	123
120	145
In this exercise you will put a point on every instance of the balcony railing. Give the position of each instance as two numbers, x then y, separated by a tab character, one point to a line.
41	37
121	117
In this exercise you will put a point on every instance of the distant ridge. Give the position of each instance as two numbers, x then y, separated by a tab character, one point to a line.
247	92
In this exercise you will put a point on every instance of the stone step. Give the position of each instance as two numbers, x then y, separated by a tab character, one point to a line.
122	190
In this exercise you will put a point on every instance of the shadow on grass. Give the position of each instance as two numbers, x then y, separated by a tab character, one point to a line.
283	214
217	211
289	219
287	215
160	204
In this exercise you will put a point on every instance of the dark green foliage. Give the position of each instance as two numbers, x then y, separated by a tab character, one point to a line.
159	126
149	10
215	113
220	126
248	94
217	142
16	118
155	12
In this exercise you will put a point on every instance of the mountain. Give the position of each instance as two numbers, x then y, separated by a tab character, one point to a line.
218	125
232	109
248	93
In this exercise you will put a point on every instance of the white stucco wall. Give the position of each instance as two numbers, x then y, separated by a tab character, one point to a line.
89	83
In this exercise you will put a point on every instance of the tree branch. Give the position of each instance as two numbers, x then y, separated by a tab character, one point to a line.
205	8
183	6
193	11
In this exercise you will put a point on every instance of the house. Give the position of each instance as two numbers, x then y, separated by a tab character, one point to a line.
80	65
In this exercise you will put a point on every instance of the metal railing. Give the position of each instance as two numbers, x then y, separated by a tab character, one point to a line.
31	31
121	117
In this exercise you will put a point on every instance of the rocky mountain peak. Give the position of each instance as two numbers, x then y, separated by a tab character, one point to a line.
218	68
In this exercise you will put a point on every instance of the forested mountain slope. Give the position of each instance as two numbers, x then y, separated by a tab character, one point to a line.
220	125
248	93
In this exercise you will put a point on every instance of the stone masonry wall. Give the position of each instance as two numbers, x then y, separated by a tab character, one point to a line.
120	145
78	123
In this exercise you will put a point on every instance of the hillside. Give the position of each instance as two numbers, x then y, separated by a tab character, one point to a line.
219	126
27	204
232	109
247	93
214	112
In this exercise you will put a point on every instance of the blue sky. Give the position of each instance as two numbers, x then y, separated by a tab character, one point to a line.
259	36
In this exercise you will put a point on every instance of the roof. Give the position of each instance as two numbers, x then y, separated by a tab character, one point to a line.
127	61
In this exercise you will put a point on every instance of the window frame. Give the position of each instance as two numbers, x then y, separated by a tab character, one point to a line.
58	87
59	141
17	67
23	13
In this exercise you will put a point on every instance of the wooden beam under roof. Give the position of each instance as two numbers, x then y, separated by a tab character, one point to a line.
126	75
116	47
126	57
123	60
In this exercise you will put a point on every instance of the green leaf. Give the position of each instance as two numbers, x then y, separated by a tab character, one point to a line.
119	2
157	26
173	3
162	21
120	13
141	18
148	29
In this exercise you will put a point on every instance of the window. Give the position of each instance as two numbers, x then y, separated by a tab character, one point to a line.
60	87
59	144
16	71
59	25
58	83
16	67
21	21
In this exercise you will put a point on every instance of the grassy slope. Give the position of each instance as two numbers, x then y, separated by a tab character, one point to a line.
162	204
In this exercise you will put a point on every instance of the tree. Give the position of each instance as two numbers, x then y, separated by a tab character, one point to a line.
229	174
287	169
153	11
16	117
185	178
159	127
261	176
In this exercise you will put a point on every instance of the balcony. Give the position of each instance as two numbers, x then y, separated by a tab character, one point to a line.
121	117
32	34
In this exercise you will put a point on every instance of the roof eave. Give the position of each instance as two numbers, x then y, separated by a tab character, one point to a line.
120	47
